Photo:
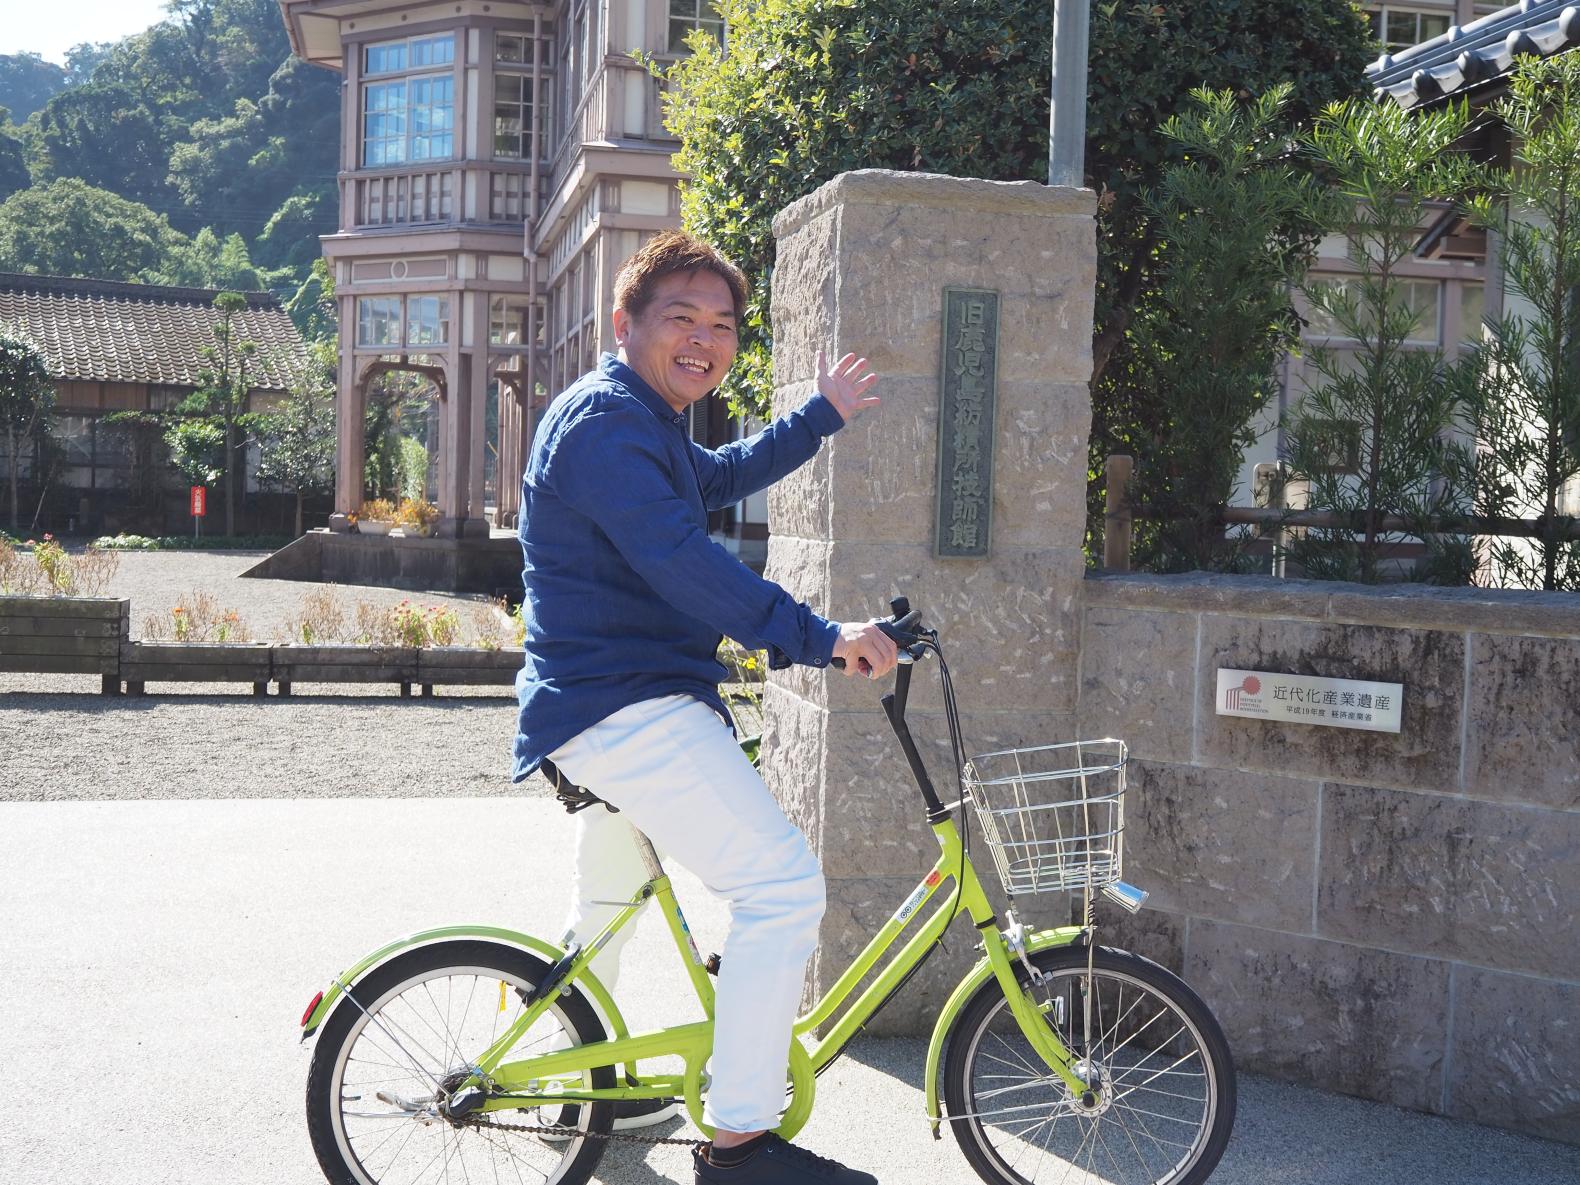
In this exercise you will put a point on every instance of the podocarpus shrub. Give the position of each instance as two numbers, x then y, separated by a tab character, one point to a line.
1371	438
1524	386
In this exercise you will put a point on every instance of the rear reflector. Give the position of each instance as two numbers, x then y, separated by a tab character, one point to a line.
311	1008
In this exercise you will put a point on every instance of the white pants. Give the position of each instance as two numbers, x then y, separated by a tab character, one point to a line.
678	775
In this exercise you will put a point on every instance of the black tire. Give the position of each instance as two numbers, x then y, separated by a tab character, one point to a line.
1019	1126
438	1006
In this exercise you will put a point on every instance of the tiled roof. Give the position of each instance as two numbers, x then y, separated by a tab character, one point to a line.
1473	57
104	331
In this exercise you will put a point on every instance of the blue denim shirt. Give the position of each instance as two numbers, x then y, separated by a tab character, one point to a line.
626	596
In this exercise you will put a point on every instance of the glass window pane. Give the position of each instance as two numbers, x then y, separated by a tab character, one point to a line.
511	48
1472	307
1401	27
1432	25
1421	296
678	32
381	59
378	321
433	51
683	8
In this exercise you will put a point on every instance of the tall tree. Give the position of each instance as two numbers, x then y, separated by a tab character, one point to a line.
26	396
806	89
14	173
27	82
296	443
103	134
69	228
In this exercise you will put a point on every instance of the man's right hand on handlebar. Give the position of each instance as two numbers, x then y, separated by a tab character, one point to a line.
865	649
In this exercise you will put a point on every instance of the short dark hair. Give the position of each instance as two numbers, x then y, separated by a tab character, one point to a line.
664	254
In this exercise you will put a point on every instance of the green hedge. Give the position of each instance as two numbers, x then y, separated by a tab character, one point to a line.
188	543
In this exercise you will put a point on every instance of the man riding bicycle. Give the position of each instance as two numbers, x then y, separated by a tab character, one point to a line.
625	601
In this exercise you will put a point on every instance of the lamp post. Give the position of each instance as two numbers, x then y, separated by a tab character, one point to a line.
1067	112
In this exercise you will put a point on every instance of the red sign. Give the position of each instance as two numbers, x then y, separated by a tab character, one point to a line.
199	501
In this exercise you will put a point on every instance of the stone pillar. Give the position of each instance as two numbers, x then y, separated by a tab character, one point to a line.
350	412
460	443
862	266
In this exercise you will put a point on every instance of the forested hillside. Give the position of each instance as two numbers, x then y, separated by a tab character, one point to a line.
199	152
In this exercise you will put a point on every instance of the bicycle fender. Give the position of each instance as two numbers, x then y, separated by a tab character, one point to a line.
961	996
587	981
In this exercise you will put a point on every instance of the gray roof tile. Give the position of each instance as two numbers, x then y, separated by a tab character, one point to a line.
105	331
1476	55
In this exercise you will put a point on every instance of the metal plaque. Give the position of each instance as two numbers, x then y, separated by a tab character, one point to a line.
1308	699
968	391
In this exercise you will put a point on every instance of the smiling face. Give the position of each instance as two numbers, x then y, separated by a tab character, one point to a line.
683	342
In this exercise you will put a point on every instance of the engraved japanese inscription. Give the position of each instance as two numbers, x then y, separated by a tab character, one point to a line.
969	383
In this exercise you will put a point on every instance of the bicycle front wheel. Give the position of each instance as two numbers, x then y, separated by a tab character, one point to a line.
382	1074
1160	1097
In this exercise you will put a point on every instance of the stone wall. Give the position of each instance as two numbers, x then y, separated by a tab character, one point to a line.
1393	916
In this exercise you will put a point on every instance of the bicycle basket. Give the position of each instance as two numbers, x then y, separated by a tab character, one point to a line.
1053	815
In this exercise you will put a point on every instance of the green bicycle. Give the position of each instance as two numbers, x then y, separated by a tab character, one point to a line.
480	1053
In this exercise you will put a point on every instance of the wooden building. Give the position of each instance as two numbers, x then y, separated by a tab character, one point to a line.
114	347
499	160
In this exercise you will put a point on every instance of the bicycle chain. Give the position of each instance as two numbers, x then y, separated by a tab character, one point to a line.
570	1133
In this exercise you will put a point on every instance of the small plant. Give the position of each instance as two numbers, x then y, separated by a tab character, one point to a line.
745	672
94	569
495	625
380	510
417	516
443	625
375	626
197	617
410	624
55	564
18	574
322	619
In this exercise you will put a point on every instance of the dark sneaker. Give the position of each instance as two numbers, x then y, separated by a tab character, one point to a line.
776	1163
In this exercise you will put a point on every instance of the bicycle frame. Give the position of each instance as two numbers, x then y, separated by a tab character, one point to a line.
558	1077
554	1078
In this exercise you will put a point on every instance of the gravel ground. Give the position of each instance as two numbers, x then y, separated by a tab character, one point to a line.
60	739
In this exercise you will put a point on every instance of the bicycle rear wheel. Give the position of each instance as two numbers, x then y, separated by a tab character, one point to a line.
378	1076
1161	1092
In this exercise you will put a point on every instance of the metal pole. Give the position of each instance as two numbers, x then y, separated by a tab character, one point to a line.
1067	113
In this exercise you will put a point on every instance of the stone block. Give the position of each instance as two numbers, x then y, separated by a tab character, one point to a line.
1039	463
1338	1017
900	259
1138	680
793	759
1430	664
1206	592
1151	933
803	300
798	504
1009	625
1515	1057
1522	739
857	908
874	818
1451	877
1223	844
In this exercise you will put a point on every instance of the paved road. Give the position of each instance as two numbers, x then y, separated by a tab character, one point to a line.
155	957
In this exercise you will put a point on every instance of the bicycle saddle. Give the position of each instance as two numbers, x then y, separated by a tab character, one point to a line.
571	796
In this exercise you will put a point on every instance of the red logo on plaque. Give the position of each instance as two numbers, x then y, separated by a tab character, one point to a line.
199	501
